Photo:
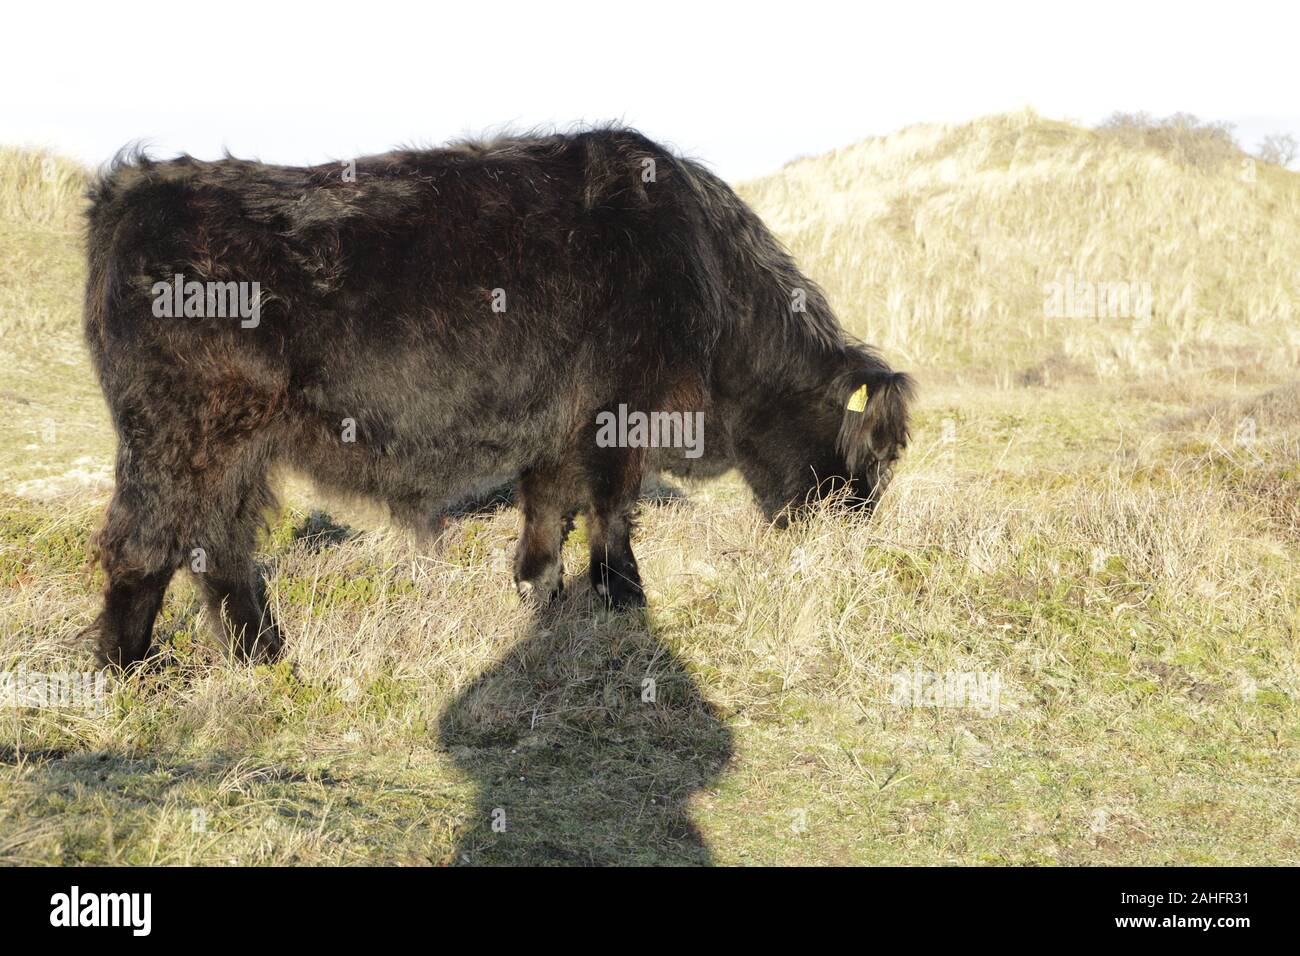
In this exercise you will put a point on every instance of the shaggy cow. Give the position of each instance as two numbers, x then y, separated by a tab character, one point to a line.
408	325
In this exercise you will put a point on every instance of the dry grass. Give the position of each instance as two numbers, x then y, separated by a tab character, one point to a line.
938	243
41	188
1110	553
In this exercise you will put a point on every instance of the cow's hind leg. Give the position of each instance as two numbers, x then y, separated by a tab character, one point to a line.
545	496
614	482
162	517
223	568
139	550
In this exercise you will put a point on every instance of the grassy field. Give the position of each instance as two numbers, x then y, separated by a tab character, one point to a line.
1070	635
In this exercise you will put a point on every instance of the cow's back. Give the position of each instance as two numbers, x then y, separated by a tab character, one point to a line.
465	309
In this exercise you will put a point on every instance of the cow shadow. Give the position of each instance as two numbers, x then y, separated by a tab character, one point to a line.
586	741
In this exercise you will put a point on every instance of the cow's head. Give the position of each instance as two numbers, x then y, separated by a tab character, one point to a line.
841	439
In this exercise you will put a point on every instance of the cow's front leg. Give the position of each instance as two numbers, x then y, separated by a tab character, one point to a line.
544	496
614	480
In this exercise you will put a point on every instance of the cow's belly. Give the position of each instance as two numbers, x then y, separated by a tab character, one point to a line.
422	431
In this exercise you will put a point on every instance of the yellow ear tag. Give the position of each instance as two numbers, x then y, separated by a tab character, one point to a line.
858	400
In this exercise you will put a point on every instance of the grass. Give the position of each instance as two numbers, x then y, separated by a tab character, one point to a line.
938	243
1114	552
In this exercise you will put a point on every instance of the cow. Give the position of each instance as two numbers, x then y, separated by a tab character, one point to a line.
407	326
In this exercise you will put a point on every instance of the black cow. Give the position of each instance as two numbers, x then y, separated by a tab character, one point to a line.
408	325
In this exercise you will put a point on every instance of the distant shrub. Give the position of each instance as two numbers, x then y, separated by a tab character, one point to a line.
1279	148
1184	137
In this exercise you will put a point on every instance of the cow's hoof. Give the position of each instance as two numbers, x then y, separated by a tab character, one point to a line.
543	588
620	594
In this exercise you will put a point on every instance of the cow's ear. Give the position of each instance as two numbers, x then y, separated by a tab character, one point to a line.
875	422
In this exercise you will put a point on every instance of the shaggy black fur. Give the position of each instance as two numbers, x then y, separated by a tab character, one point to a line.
630	276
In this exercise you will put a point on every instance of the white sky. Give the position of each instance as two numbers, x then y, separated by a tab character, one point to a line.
746	87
